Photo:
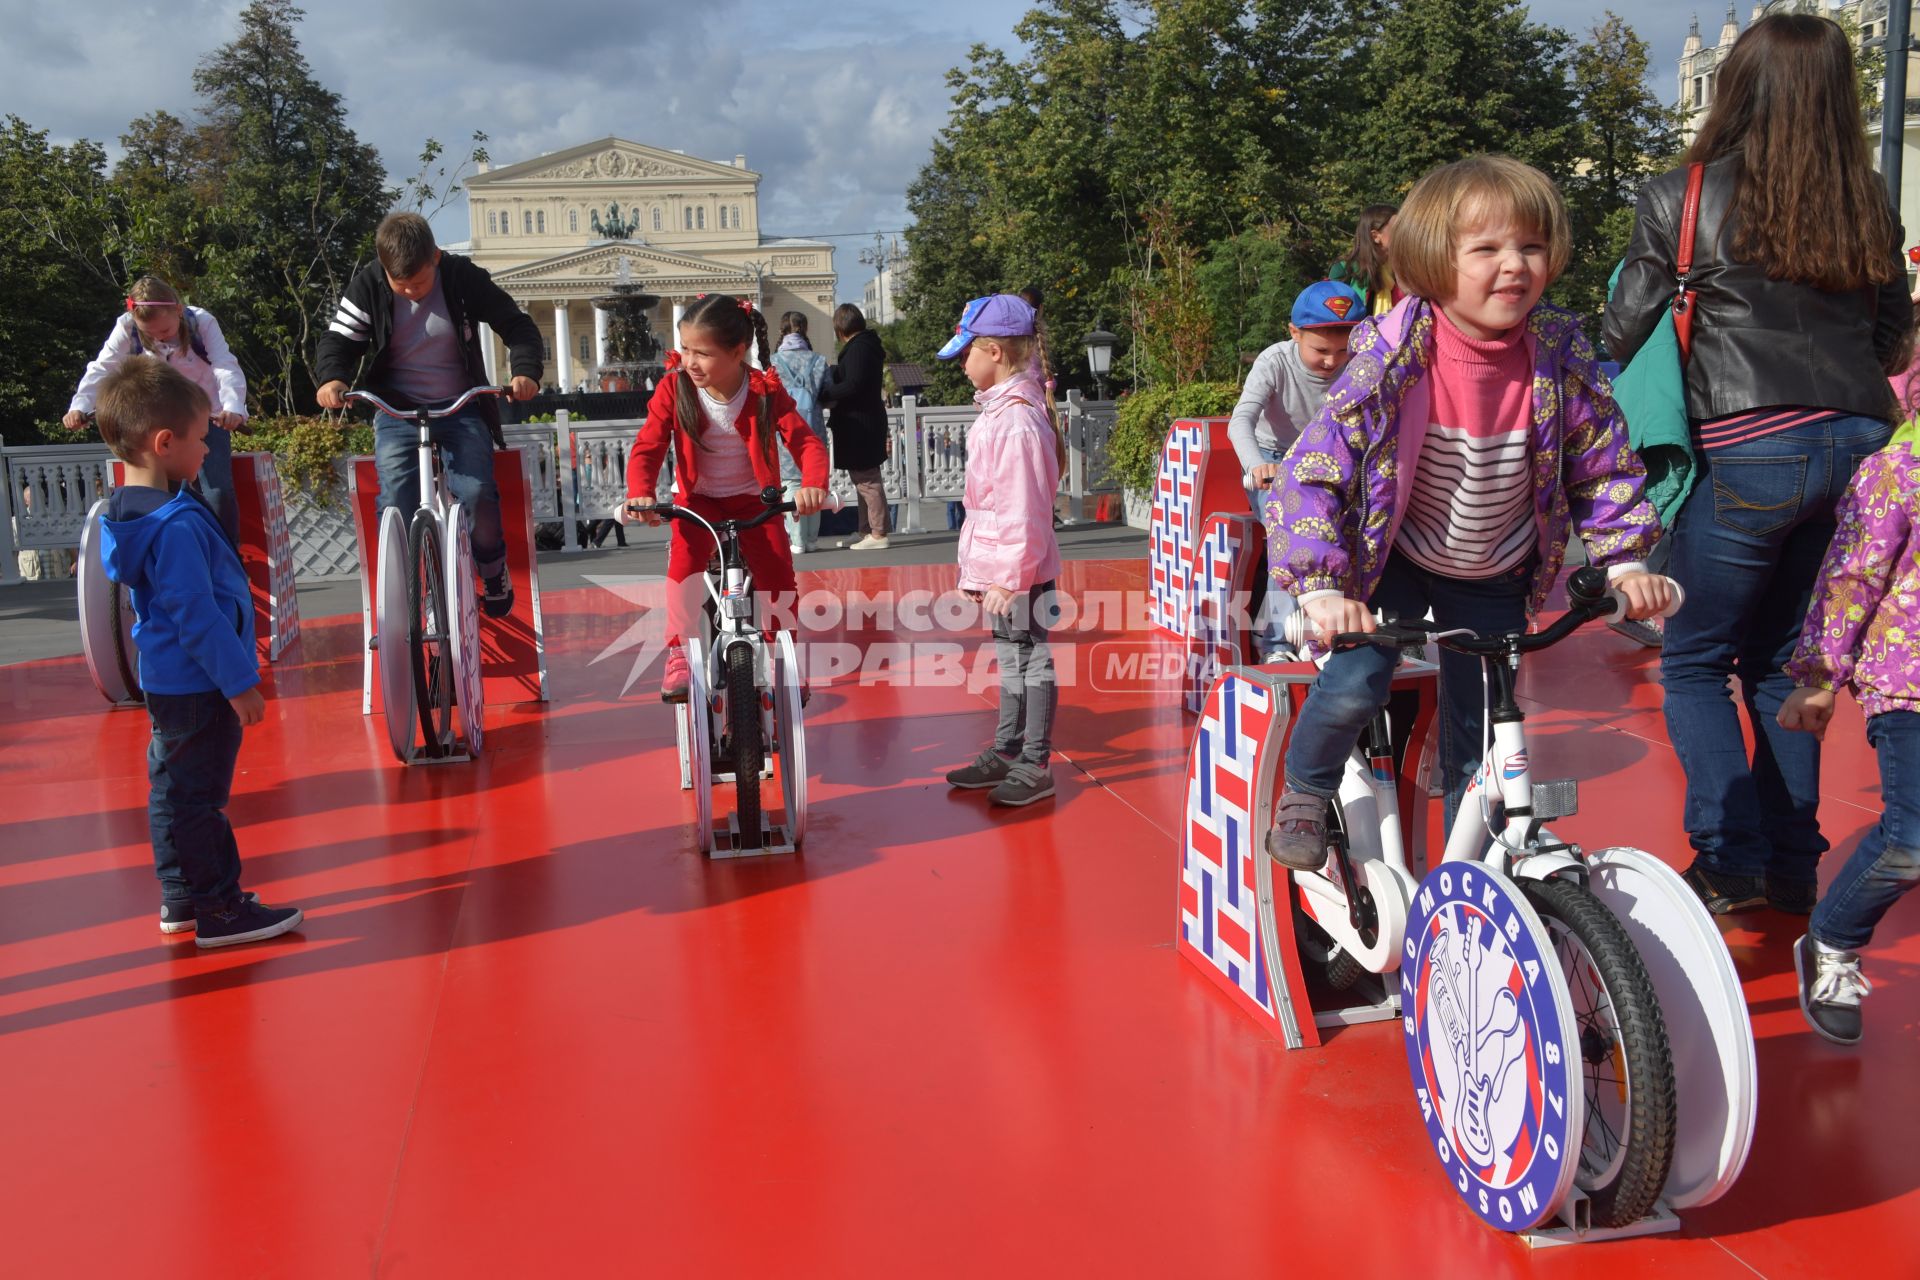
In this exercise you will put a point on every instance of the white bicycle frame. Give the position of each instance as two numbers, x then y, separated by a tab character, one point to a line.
1370	802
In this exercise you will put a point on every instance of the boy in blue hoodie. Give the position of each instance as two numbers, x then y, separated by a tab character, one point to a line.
193	627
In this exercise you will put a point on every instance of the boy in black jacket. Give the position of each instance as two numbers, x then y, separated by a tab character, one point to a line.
417	315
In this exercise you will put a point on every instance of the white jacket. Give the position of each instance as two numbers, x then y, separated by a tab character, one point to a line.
218	375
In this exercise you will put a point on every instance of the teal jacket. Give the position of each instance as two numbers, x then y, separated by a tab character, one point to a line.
1652	393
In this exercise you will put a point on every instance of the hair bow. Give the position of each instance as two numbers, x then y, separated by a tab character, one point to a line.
746	306
673	360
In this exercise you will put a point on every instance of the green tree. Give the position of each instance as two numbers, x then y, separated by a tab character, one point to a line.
299	197
164	175
1626	136
1453	78
59	274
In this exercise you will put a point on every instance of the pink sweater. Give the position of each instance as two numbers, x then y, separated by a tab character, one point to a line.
1013	473
1470	510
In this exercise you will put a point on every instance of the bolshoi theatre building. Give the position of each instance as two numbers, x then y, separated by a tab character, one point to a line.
575	225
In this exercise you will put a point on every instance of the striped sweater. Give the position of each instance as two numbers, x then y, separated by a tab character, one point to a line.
1470	511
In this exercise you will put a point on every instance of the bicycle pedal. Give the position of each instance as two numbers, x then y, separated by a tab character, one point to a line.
1559	798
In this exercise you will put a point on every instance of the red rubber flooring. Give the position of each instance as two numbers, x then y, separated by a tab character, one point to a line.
528	1030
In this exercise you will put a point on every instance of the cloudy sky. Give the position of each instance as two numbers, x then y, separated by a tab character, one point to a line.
834	103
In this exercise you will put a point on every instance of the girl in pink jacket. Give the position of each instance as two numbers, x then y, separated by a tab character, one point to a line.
1009	557
1862	632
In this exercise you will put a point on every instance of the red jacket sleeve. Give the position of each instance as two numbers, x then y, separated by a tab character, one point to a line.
651	445
807	449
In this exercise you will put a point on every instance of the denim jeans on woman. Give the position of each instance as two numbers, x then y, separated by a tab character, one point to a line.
1029	691
1747	548
1355	684
1887	863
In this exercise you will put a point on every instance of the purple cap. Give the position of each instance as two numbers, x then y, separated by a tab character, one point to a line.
1327	304
1004	315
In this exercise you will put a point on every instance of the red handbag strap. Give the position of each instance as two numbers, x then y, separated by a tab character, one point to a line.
1689	220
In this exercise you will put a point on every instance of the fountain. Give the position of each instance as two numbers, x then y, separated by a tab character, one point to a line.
633	358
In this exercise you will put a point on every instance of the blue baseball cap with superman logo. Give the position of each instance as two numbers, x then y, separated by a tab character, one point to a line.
1326	305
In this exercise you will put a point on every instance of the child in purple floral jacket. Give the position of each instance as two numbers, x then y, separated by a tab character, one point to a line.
1470	430
1863	630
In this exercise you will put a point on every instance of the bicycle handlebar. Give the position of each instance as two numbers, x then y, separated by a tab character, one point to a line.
415	414
1589	596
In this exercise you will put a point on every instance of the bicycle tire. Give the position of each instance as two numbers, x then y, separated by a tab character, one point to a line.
1626	1150
743	732
1343	970
117	623
427	633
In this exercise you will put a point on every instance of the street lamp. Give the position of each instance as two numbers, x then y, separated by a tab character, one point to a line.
1099	346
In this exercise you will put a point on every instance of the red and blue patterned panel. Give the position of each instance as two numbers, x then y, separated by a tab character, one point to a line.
1223	569
1219	905
1171	533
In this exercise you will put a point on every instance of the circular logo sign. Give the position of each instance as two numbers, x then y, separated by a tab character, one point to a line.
1490	1042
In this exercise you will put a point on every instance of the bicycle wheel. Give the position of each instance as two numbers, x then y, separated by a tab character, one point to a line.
743	732
427	636
120	622
1626	1062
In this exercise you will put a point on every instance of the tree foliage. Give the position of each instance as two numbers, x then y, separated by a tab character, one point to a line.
1221	149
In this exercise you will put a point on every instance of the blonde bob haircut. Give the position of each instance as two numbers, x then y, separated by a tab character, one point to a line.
1465	194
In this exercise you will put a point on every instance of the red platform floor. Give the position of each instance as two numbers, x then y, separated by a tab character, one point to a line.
528	1030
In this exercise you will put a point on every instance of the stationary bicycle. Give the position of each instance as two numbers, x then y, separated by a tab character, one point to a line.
427	635
1554	1001
106	620
744	699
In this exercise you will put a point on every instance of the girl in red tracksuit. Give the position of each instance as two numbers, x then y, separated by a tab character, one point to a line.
721	417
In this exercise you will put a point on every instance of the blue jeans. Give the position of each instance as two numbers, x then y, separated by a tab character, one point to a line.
1029	692
466	452
190	762
1887	863
1747	548
1355	684
215	482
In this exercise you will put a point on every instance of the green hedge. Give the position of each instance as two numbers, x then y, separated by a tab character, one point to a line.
305	450
1144	418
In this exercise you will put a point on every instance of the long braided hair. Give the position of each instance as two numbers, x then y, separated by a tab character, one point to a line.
733	322
1034	353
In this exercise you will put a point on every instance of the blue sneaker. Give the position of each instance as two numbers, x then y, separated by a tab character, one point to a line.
177	917
244	922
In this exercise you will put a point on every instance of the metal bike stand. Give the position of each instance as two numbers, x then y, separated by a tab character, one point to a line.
776	838
1576	1227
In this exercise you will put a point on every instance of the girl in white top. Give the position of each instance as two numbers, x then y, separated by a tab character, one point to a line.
158	324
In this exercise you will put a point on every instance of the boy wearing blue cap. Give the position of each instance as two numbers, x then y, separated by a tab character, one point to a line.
1284	391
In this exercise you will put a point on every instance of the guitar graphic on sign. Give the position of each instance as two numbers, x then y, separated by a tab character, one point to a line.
1485	1049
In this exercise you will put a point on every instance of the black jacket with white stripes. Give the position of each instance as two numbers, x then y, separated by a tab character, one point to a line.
357	339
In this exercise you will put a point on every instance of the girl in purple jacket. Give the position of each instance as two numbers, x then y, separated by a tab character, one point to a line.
1470	430
1863	631
1009	557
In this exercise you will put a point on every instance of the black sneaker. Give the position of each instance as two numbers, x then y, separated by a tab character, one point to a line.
1794	897
1723	894
1831	988
177	917
1299	836
496	598
245	922
1024	784
988	770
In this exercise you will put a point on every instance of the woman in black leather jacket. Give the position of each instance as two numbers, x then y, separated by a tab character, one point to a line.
1802	313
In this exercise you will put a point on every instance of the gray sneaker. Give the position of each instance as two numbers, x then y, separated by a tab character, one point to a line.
1025	783
989	769
1648	633
1299	836
1831	989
